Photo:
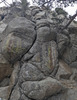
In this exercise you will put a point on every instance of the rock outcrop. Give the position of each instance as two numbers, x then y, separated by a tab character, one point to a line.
38	60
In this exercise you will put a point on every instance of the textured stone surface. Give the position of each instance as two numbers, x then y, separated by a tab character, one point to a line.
62	41
15	93
4	92
14	80
30	72
40	53
5	68
43	89
18	42
64	71
46	57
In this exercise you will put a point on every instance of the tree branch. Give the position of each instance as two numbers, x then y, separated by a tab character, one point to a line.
73	17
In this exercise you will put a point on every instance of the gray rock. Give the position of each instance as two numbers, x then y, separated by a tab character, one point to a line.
4	92
70	54
59	96
73	39
42	89
42	23
64	71
27	56
15	95
72	94
30	72
13	12
40	15
35	10
63	42
44	34
46	59
2	27
49	57
74	64
5	82
20	39
5	68
13	81
23	97
36	47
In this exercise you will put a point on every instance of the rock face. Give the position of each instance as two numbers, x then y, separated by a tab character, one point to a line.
38	61
20	37
42	89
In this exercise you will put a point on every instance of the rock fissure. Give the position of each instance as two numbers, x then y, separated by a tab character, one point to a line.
43	56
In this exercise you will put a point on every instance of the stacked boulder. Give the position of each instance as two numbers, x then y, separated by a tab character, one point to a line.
39	59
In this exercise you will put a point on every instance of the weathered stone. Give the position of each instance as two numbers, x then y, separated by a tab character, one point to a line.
15	95
42	23
35	10
44	34
64	71
61	17
73	64
15	73
70	54
36	47
2	27
20	39
21	25
27	56
5	82
72	94
23	97
13	12
63	42
14	78
46	59
59	96
42	89
38	55
30	72
40	15
72	27
5	68
73	39
49	57
4	92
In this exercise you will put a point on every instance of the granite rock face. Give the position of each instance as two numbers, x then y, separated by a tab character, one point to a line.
42	89
20	35
38	61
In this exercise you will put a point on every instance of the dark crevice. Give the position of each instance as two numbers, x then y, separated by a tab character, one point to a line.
14	84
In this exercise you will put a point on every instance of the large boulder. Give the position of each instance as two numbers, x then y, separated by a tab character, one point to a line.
45	32
46	57
42	89
70	55
19	37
